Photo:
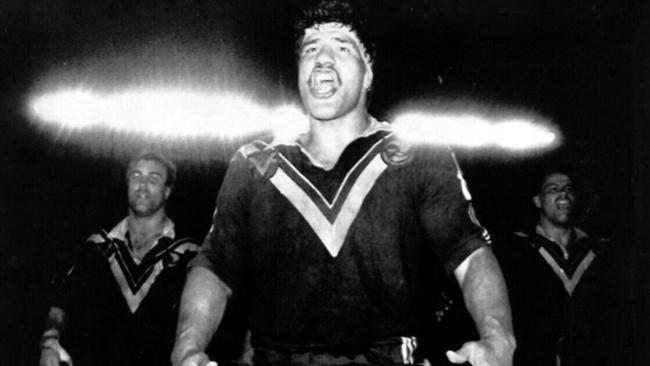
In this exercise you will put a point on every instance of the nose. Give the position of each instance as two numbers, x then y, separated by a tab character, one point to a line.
325	56
141	184
565	193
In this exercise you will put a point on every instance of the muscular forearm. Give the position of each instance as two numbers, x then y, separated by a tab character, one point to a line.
485	294
486	298
202	306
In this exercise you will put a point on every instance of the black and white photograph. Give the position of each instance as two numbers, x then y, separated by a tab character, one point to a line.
324	182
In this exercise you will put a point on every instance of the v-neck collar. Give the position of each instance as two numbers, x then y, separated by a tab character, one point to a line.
331	216
569	270
135	279
297	140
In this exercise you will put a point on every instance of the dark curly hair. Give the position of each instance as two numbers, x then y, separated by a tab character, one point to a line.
348	13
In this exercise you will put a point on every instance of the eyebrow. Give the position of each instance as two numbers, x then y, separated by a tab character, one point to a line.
318	39
310	42
557	185
137	171
342	40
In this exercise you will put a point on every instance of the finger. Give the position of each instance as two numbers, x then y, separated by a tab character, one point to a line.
456	357
197	359
203	360
64	356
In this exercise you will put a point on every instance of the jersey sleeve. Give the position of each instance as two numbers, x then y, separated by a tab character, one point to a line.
446	213
62	288
67	286
223	251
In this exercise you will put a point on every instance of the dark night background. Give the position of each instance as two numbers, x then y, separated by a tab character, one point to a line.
584	64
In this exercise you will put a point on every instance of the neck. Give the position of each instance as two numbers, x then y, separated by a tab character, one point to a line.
561	235
141	227
326	140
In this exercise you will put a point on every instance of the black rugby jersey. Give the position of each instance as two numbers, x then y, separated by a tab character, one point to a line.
121	312
330	258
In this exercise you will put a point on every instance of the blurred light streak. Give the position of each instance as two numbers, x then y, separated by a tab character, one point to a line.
215	121
167	113
474	131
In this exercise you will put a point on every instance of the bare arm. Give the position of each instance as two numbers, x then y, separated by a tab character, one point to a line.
486	298
203	304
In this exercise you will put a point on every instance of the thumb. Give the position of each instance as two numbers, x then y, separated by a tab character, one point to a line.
64	356
459	356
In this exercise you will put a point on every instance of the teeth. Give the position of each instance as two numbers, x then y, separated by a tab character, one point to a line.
323	78
324	88
323	83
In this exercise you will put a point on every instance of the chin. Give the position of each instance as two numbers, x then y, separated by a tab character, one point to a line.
324	115
563	222
143	213
141	210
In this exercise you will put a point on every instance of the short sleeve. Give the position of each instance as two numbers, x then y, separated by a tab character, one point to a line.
67	286
62	291
223	250
446	212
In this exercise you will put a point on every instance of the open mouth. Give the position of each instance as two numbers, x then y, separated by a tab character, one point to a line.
564	204
323	83
142	195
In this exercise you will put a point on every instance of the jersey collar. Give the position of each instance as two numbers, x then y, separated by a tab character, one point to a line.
120	230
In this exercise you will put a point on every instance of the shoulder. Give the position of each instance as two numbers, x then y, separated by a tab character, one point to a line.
177	239
253	149
521	235
184	245
97	238
512	244
525	240
601	246
100	241
398	150
177	252
260	154
395	150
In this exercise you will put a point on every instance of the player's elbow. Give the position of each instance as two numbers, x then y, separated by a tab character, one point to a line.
204	291
482	261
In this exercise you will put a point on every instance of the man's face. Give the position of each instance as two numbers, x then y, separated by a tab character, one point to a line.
333	76
147	190
556	200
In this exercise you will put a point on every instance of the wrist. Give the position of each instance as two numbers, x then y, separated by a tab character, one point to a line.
504	343
182	352
497	329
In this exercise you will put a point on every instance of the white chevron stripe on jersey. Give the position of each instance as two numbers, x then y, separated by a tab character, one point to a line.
569	283
333	234
133	300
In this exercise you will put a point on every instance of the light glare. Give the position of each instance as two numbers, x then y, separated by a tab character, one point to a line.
167	113
474	131
183	114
